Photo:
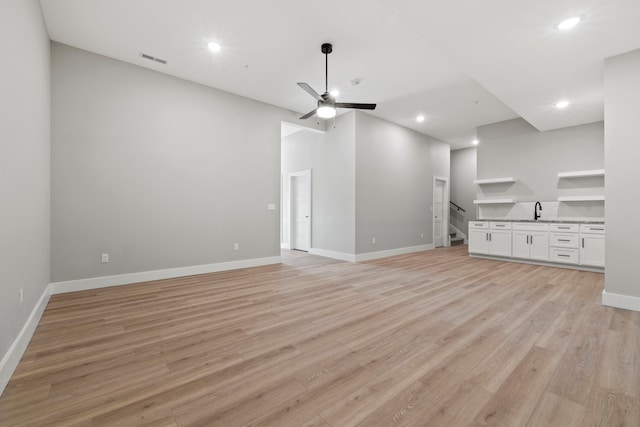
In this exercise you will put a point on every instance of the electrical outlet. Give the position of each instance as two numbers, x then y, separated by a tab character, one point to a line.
373	240
105	257
236	246
21	293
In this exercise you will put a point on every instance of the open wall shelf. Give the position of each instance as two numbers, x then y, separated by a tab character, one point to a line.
581	198
493	201
581	174
495	180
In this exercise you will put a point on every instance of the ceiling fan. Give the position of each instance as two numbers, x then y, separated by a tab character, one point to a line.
327	104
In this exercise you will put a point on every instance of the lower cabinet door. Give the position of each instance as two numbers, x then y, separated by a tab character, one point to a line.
520	247
478	242
500	243
592	250
539	246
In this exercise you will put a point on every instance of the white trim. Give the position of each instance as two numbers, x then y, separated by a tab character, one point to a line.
393	252
145	276
14	354
620	301
285	246
331	254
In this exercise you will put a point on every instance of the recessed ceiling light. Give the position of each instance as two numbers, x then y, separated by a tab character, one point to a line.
420	119
562	104
569	23
475	142
334	93
214	46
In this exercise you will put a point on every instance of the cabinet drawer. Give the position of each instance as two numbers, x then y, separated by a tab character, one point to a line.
564	240
592	228
478	224
565	228
500	225
567	256
530	226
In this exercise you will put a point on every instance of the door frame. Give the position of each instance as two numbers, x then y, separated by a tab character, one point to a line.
445	210
290	202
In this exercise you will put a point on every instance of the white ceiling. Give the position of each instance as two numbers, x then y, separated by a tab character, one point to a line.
460	63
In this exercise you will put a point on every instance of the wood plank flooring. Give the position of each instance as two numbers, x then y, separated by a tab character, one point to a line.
426	339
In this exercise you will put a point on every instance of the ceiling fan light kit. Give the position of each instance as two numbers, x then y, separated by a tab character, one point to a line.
327	104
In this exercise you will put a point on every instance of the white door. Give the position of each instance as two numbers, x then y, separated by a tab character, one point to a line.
301	212
438	213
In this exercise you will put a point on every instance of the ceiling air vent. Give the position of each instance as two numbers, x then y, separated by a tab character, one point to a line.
153	58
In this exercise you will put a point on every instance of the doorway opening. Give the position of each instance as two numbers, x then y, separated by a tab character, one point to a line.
300	210
440	214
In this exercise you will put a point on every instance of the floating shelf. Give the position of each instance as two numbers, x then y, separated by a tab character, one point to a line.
581	199
581	174
495	180
493	201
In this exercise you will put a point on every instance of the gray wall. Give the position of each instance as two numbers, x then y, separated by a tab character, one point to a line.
157	171
331	157
622	153
463	190
515	148
24	163
394	184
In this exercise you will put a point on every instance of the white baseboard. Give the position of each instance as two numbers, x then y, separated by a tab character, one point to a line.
393	252
145	276
331	254
14	354
285	246
620	301
369	255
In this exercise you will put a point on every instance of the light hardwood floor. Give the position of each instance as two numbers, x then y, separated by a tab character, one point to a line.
431	338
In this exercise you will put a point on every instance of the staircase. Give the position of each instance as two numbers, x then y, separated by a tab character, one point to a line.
455	240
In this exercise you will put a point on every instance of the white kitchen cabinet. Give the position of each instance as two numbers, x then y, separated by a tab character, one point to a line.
592	245
530	241
478	241
571	244
500	242
490	238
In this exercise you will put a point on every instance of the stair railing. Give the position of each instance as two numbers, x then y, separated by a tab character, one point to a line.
459	208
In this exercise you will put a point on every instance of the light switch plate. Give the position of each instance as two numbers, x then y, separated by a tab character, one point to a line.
271	206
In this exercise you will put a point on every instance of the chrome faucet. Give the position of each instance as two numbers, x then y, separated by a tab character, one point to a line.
537	215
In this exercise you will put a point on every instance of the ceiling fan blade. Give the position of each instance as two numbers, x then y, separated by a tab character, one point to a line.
310	91
355	105
309	114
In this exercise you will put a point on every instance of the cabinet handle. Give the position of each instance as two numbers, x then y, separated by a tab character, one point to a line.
583	242
564	256
489	236
527	239
596	229
486	236
532	240
564	240
563	228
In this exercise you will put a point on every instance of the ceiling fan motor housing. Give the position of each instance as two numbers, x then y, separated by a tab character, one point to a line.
327	48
